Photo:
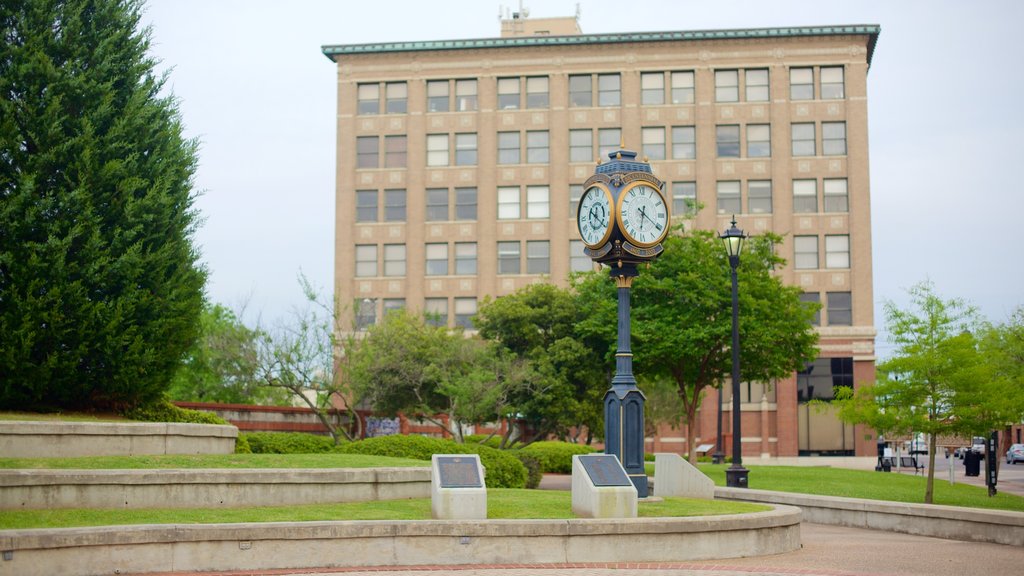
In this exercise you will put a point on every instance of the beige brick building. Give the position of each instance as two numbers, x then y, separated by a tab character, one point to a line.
460	161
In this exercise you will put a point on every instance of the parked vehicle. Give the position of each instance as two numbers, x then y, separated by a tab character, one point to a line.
1015	454
978	446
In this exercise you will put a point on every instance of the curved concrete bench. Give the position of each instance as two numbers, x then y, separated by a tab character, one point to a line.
213	547
39	439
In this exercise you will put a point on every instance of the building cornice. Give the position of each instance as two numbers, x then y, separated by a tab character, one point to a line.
870	30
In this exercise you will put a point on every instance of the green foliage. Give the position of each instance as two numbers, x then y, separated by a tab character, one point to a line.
288	443
534	473
242	445
493	441
555	457
100	280
164	411
503	469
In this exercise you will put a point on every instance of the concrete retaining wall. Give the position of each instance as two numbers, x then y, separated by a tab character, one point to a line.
38	439
142	549
207	488
950	522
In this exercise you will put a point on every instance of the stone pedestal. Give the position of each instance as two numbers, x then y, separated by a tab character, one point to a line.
674	476
601	488
457	490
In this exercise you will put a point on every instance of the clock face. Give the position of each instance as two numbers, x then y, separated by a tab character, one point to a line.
594	217
643	215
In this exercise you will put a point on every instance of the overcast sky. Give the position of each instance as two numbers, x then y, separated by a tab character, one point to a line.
943	100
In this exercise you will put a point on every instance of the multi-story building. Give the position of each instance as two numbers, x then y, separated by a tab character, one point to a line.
460	163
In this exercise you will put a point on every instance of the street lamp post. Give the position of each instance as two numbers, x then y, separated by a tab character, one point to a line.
718	457
735	475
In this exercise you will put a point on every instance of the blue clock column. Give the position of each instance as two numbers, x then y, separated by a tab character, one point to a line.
624	402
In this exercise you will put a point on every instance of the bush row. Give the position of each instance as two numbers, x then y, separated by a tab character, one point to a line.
164	411
286	443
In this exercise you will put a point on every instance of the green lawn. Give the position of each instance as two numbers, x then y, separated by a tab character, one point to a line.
501	503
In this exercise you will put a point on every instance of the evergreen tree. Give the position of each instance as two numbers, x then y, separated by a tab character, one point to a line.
100	289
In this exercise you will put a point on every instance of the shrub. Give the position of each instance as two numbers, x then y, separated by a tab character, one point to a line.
555	457
242	445
503	469
648	457
533	471
164	411
287	443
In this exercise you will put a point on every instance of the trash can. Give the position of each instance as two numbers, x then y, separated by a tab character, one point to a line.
972	463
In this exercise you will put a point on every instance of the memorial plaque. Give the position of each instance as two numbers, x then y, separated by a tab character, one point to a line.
458	472
604	470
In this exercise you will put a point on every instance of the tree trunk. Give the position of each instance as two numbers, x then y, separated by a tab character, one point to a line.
930	484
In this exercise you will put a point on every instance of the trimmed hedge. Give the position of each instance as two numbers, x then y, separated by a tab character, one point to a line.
555	457
286	443
503	469
164	411
242	445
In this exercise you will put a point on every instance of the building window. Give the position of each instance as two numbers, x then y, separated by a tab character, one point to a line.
538	202
394	205
833	85
609	90
728	200
435	311
759	196
836	197
805	252
757	85
682	87
394	259
465	309
653	142
392	304
813	298
437	149
508	203
581	146
508	258
465	149
368	99
727	86
465	258
367	152
652	88
508	93
581	94
575	193
537	92
684	198
508	147
437	96
578	260
840	309
684	143
837	251
608	141
465	95
822	377
801	84
803	139
395	151
727	139
538	257
366	205
437	259
437	204
395	95
537	147
759	141
366	260
366	313
833	138
805	196
465	203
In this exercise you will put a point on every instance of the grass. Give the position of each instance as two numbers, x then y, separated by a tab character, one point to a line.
502	503
193	461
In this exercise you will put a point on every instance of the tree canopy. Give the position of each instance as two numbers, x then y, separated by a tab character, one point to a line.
100	286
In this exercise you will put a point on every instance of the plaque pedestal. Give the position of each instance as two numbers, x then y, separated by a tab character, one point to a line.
601	488
457	489
674	476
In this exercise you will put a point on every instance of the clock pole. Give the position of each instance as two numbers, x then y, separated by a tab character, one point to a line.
637	223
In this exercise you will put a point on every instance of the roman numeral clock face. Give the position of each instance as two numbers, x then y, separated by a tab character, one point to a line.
594	218
643	215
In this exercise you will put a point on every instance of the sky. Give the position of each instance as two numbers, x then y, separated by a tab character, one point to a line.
257	93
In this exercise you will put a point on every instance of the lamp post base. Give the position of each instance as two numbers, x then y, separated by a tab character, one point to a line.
717	457
736	477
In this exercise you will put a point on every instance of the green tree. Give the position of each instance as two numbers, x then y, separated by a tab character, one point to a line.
928	384
221	366
682	318
100	289
537	324
999	395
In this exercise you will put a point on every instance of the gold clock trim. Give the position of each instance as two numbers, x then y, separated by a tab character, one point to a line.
622	227
611	222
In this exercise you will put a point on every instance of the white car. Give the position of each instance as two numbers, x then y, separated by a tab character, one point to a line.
1015	454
